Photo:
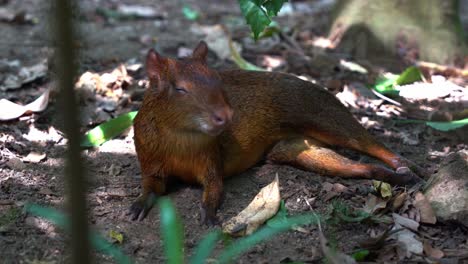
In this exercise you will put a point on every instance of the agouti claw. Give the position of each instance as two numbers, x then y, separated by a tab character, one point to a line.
209	219
140	208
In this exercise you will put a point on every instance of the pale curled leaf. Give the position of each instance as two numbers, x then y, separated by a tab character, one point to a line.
10	110
34	157
263	207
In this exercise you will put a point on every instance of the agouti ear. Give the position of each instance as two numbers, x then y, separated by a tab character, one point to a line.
200	51
156	65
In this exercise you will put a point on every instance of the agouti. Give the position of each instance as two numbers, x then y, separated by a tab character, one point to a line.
202	125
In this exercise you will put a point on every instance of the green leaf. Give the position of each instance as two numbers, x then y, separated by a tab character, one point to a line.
241	245
205	247
108	130
439	125
190	13
360	255
98	242
172	232
243	64
255	16
410	75
273	6
388	85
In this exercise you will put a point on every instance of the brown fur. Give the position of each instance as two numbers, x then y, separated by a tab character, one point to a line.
257	114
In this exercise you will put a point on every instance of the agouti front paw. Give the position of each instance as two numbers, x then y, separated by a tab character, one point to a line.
141	206
209	218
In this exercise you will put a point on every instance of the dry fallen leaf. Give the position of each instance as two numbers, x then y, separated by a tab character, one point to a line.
425	209
373	204
408	244
383	188
405	222
432	252
140	11
398	201
12	110
263	207
116	236
34	157
217	39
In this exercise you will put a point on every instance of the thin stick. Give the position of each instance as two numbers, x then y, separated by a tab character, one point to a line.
75	177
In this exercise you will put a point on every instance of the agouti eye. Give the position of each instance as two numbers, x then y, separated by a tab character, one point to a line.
181	90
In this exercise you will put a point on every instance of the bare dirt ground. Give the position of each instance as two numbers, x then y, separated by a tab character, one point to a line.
113	170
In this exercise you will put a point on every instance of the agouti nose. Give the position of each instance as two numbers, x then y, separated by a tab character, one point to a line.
222	118
219	120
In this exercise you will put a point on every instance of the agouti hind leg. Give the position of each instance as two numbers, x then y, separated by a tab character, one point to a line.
310	154
357	138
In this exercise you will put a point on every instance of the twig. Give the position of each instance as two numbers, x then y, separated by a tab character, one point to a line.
292	43
381	96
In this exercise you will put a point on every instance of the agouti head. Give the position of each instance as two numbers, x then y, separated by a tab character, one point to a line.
189	95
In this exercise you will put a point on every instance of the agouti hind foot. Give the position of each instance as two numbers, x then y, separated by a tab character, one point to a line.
405	176
310	154
140	208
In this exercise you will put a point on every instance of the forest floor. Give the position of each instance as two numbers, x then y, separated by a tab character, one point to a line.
107	41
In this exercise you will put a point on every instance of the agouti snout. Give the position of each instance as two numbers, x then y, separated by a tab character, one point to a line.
202	125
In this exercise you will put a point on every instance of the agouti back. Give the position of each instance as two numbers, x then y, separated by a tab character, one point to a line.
202	125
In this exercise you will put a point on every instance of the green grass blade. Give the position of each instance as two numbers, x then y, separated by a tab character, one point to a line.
172	232
98	242
280	217
439	125
205	247
108	130
447	126
244	244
